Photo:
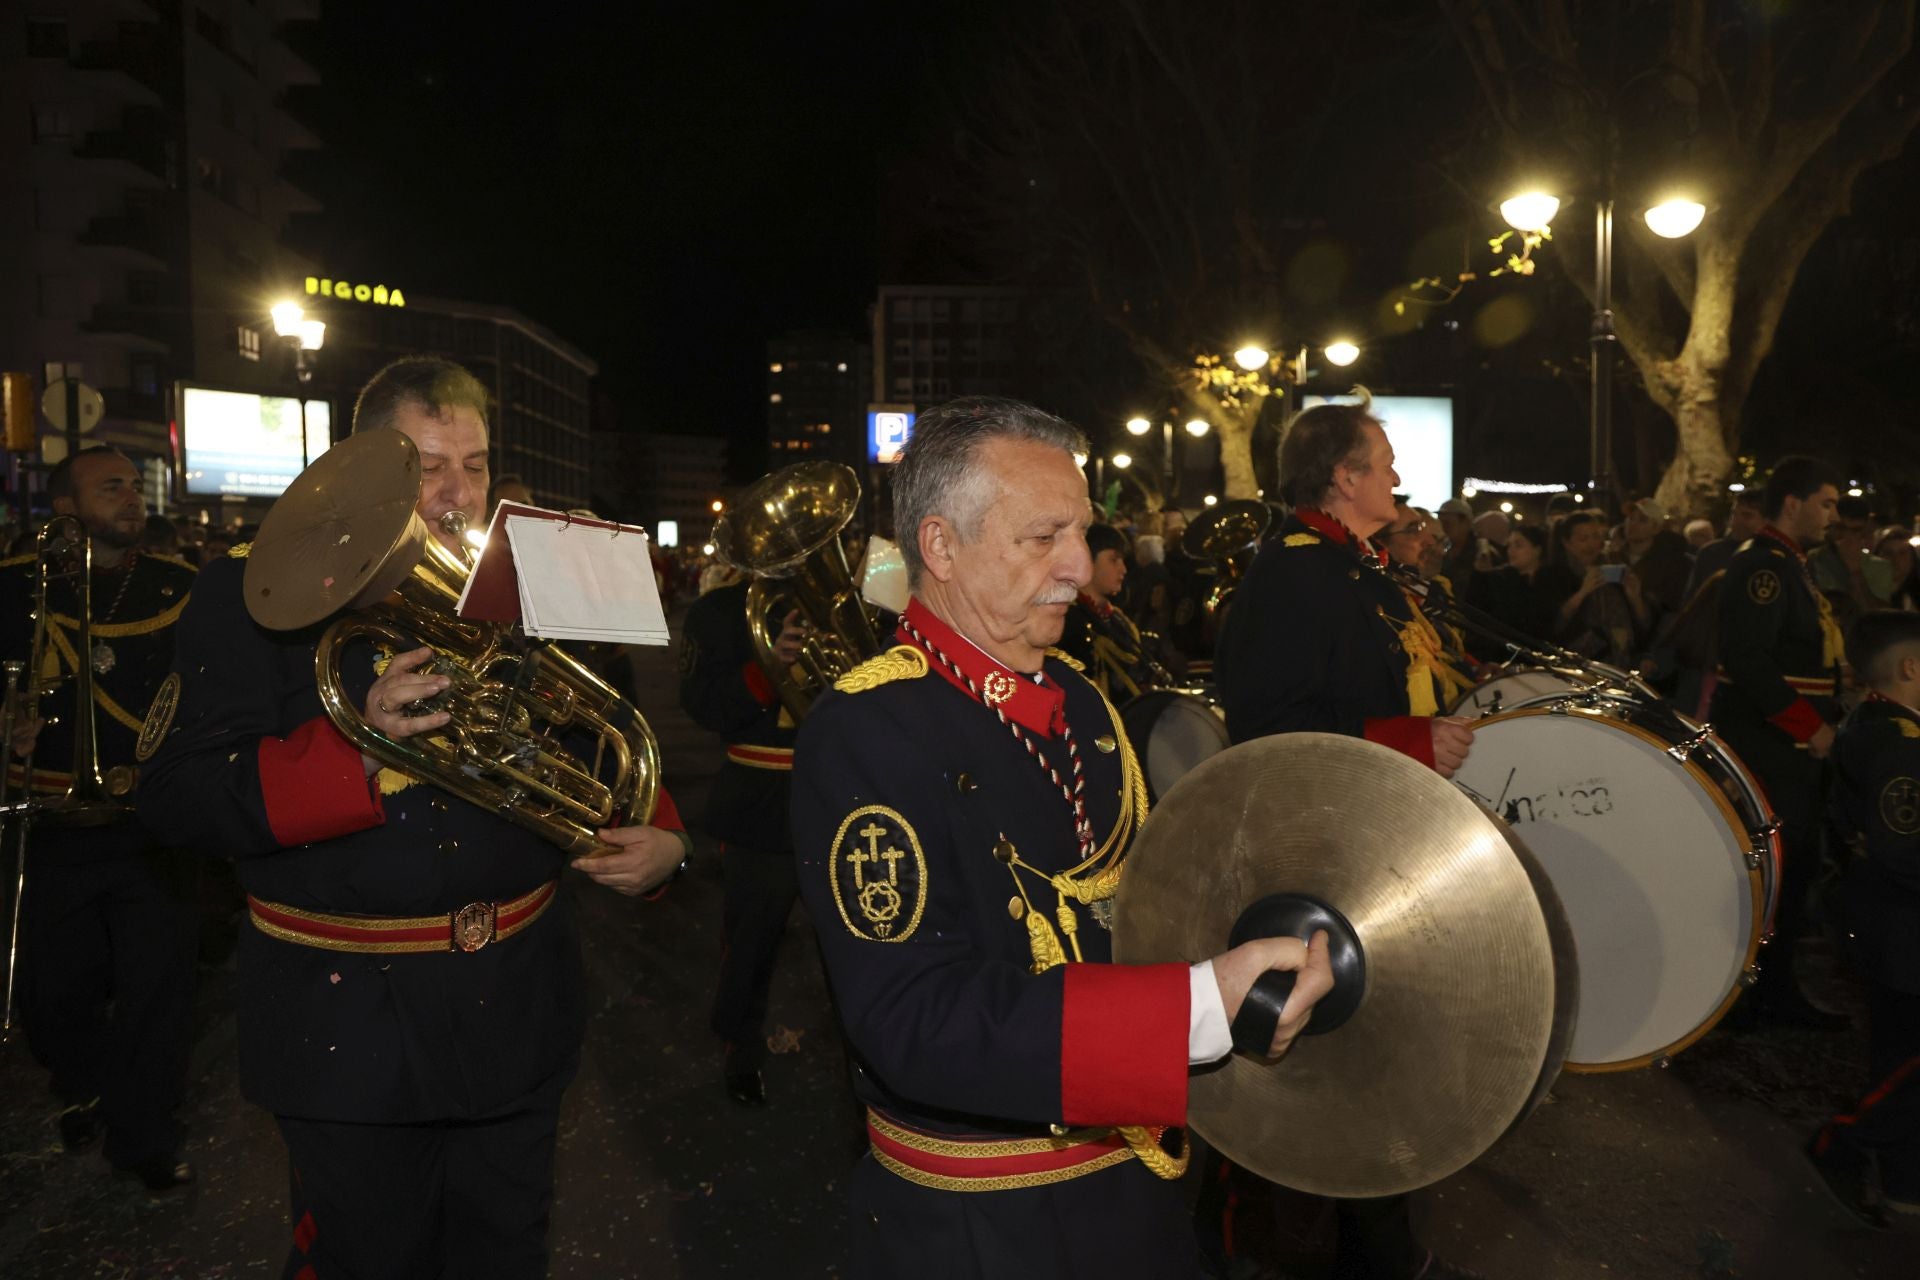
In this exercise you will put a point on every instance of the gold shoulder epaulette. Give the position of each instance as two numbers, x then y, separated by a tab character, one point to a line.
1300	540
239	550
902	662
1067	658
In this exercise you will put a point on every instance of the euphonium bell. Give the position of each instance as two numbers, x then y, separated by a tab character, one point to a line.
1229	535
345	536
784	529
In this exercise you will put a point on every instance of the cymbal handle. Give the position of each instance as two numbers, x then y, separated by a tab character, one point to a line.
1297	915
1259	1014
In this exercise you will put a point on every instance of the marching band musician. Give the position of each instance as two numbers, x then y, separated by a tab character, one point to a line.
1100	636
725	690
409	991
962	806
1322	639
1876	801
109	916
1413	548
1776	701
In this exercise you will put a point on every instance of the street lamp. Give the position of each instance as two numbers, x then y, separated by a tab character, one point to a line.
1251	357
1197	427
1533	212
1342	353
1123	460
1138	426
286	319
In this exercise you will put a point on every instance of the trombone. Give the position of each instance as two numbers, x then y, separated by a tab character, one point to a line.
62	551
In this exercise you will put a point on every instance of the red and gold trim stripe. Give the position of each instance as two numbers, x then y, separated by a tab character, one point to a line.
389	935
1817	686
948	1163
760	757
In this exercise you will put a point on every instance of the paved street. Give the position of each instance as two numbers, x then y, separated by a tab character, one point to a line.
1691	1172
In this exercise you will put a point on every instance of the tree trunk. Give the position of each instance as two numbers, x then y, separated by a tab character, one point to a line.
1701	460
1234	420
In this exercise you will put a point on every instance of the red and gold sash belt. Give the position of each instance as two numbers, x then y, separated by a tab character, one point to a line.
760	757
467	929
950	1163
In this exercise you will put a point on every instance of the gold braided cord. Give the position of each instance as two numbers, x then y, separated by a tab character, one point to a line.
902	662
1833	645
1144	1142
137	627
939	1145
100	696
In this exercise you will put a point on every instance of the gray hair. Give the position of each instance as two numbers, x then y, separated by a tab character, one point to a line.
937	472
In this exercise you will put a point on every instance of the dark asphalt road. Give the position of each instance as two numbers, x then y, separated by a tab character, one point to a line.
1691	1172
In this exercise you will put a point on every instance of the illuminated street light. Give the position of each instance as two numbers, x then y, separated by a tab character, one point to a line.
1197	427
1736	487
774	367
1675	218
1856	492
1211	500
707	550
717	506
1469	491
1123	460
1342	353
1530	211
1080	460
1250	357
1138	426
287	317
313	334
1507	507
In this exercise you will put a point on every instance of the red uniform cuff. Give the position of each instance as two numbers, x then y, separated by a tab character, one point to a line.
315	787
666	814
1409	735
1123	1044
758	685
1801	719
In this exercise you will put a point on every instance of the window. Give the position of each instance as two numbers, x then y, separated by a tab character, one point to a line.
46	37
51	123
144	375
249	342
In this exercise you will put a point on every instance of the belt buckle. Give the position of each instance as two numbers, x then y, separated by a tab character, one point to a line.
474	926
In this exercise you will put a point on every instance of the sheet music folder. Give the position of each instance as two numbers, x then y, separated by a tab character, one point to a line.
566	577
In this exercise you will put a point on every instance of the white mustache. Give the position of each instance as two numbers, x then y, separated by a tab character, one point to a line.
1058	593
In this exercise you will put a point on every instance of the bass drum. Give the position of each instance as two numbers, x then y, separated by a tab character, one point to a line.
1172	730
1518	687
1663	851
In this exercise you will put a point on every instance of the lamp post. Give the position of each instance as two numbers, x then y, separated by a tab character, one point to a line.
305	336
1534	212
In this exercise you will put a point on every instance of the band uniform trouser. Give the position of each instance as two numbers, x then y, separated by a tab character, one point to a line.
397	1202
108	935
761	889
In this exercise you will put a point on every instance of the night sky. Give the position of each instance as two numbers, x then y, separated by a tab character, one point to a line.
666	185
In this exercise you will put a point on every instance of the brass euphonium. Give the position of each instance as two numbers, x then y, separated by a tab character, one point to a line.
345	536
1229	535
784	529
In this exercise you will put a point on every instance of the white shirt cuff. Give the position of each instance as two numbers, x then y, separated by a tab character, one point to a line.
1209	1038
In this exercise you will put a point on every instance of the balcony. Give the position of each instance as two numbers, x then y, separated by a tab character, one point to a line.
148	324
123	231
136	54
143	150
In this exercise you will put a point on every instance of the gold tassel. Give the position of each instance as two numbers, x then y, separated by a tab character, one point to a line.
1044	942
1070	926
1145	1144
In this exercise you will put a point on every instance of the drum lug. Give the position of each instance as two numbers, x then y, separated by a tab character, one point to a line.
1755	859
1750	975
1662	1062
1769	831
1682	750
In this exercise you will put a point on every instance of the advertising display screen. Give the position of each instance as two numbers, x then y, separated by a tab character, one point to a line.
242	445
887	433
1421	429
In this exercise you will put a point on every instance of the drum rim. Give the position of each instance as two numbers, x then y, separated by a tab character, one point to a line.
1757	886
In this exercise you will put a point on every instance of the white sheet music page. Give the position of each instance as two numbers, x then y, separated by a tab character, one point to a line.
582	583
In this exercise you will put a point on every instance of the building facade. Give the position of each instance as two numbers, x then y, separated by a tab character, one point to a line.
934	342
147	209
817	385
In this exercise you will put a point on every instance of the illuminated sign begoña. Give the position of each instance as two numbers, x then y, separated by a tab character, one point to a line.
378	294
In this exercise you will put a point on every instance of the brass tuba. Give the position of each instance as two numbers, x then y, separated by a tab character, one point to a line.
785	531
1229	535
345	536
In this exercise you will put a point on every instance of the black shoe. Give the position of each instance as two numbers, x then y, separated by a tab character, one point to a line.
746	1088
80	1125
161	1174
1843	1174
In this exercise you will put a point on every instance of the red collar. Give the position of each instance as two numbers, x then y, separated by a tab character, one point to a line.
1321	522
1035	703
1101	609
1768	531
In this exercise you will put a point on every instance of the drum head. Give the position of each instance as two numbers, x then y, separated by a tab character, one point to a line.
1522	688
1172	732
1649	859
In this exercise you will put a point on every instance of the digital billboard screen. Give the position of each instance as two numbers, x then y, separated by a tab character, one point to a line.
1420	429
242	445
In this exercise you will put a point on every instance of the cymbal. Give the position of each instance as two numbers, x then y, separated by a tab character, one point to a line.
1469	986
335	538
